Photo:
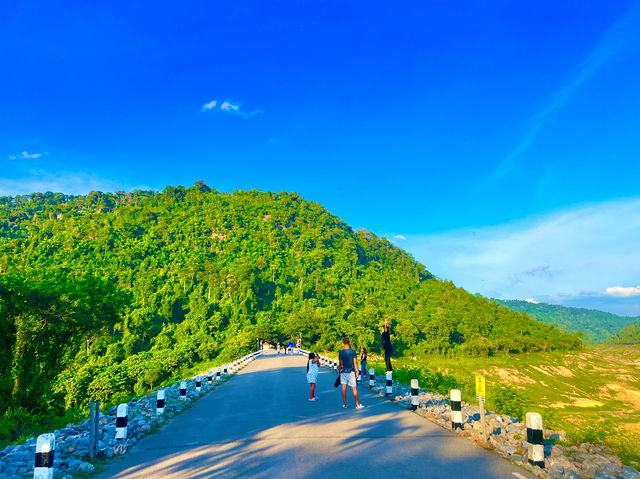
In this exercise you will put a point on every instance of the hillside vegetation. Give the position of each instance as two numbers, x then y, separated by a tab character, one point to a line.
628	335
597	326
106	295
593	393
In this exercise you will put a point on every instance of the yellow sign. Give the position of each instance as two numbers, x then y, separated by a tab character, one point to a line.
480	388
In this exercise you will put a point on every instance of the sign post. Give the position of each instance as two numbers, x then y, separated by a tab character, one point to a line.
480	395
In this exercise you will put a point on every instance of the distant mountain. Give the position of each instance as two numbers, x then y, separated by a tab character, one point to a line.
628	335
597	326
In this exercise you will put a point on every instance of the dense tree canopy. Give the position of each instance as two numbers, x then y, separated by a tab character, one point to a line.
597	326
146	284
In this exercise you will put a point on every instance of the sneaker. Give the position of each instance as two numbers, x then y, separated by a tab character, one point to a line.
360	406
344	406
314	399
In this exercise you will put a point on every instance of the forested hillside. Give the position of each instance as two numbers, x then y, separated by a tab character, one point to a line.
628	335
106	295
597	326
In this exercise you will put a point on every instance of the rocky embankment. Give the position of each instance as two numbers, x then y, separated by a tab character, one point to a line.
508	437
72	442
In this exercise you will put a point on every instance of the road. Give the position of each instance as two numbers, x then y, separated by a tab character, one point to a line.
260	424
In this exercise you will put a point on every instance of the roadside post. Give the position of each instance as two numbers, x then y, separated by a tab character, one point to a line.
92	431
94	428
480	395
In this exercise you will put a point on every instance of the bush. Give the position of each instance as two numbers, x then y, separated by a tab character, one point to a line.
508	400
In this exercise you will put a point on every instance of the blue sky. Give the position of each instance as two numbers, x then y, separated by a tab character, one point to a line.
447	126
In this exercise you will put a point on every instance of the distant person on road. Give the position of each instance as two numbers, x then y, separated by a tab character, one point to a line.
348	371
386	345
363	363
312	375
278	347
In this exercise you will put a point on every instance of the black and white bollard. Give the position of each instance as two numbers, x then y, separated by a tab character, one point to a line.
121	421
415	391
218	374
160	402
389	383
456	409
210	377
335	365
535	439
198	384
372	378
45	449
225	368
183	391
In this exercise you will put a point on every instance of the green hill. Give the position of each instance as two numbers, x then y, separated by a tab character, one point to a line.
597	326
106	295
628	335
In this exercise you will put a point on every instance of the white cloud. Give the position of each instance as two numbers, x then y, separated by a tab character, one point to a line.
532	301
399	237
229	106
579	252
622	292
62	182
209	106
25	155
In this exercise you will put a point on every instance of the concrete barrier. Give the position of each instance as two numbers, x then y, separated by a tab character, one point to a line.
122	417
45	450
535	439
160	402
456	409
415	391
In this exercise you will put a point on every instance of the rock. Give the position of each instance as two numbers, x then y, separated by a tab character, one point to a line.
570	475
557	470
629	473
605	475
85	467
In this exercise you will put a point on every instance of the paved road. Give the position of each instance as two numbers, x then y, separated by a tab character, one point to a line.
260	424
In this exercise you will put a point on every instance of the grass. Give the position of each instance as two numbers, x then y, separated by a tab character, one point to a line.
592	394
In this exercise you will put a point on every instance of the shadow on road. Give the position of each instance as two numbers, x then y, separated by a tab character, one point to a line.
260	424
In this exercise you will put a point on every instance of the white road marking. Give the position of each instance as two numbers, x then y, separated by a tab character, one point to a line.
518	475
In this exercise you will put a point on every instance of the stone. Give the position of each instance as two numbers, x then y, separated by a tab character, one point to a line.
569	474
557	470
629	473
85	467
605	475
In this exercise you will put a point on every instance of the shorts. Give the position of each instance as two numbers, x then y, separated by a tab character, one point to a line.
348	378
312	378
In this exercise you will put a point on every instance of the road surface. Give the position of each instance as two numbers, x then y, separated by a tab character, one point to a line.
260	424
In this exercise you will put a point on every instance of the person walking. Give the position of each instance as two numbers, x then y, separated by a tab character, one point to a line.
348	372
312	375
386	345
363	363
